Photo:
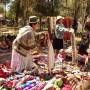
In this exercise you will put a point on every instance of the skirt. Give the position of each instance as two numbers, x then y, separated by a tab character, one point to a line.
57	43
19	62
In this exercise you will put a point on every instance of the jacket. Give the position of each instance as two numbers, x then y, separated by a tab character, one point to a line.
59	32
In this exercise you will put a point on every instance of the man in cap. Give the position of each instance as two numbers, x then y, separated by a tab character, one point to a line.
22	45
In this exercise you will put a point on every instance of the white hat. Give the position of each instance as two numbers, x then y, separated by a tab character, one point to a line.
59	17
33	19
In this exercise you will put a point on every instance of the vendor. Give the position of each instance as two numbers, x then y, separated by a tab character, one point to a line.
87	62
58	35
24	42
83	47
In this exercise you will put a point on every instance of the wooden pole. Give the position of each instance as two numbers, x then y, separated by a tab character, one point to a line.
49	28
51	58
73	43
54	23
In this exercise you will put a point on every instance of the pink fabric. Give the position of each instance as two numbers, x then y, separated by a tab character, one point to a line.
16	61
19	62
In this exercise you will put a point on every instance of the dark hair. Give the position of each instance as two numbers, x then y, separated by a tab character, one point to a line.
85	35
58	21
32	24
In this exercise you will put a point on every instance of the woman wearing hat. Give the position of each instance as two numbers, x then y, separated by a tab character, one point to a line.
58	39
24	42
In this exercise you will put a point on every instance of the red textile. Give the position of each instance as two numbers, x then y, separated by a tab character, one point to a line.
67	36
2	74
7	64
67	21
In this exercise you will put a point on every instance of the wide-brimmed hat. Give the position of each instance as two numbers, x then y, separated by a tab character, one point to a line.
33	19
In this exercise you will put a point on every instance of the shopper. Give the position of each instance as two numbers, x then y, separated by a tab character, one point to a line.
24	42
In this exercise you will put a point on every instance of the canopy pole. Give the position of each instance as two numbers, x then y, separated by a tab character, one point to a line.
73	44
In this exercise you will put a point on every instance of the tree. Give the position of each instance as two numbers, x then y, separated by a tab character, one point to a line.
1	9
22	9
76	9
27	6
88	8
5	2
82	10
47	7
15	10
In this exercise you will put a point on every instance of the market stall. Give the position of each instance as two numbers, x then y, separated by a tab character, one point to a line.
53	74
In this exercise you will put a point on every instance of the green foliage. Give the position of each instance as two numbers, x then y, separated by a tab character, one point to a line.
10	15
88	8
1	9
47	7
21	9
6	1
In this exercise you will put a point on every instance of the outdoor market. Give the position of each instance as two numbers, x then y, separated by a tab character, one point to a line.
43	51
